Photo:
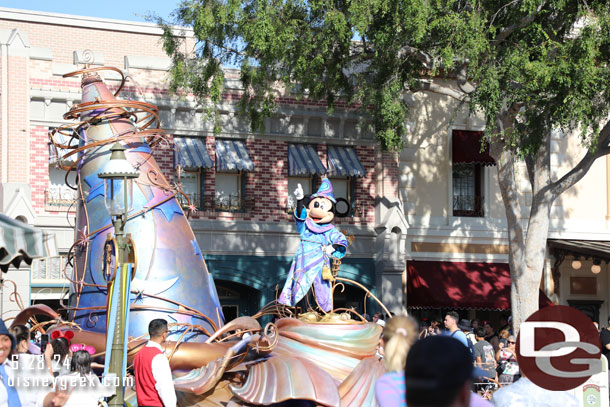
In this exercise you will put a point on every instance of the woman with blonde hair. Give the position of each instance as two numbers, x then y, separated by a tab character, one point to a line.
398	336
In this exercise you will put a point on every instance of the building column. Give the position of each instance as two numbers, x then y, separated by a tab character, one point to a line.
391	228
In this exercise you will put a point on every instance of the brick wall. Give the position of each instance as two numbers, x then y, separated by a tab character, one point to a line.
266	187
163	153
365	187
39	166
18	118
390	175
64	40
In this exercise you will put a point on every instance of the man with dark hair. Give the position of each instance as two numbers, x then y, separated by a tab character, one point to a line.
154	384
451	323
438	373
484	354
491	337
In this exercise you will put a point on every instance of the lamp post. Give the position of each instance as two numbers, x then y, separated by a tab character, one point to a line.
118	175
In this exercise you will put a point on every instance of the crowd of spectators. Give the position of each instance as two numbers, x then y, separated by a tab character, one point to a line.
460	363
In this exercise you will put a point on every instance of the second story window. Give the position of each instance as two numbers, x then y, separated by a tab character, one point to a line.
343	168
468	174
467	190
342	188
228	194
192	187
192	157
303	164
232	162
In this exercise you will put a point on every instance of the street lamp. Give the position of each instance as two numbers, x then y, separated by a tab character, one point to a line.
118	175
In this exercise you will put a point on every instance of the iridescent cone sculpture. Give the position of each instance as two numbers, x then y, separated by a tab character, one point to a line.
171	279
327	362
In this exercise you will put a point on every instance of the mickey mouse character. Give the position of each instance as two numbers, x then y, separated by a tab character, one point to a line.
319	241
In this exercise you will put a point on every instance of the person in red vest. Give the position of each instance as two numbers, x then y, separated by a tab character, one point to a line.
154	384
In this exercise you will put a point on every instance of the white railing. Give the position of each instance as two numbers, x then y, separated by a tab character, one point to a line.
51	268
60	196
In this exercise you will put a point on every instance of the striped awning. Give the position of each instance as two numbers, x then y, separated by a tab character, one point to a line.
22	242
303	160
232	155
343	162
56	155
191	153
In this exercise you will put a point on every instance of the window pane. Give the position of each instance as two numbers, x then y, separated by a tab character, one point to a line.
56	266
190	185
464	188
292	185
227	190
42	271
340	187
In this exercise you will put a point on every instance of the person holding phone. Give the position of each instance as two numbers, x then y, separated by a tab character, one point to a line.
9	394
508	367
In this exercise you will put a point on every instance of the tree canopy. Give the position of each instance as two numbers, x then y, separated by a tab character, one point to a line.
528	66
546	59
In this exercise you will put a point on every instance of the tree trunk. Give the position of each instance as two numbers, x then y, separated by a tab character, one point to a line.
526	249
525	278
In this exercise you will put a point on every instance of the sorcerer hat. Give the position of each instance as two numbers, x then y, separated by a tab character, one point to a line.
325	191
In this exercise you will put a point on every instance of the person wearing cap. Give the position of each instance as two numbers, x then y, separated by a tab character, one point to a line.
320	240
451	323
439	373
8	393
399	335
468	330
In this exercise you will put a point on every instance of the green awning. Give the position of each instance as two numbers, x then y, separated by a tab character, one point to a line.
22	242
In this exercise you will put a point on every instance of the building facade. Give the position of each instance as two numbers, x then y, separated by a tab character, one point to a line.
429	225
243	219
457	244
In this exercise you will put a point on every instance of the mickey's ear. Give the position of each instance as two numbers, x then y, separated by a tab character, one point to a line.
55	334
68	335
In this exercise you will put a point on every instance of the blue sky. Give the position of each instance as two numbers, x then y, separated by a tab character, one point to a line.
133	10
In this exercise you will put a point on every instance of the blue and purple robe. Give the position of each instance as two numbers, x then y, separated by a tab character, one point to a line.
310	259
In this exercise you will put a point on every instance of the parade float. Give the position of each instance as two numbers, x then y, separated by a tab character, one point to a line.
325	356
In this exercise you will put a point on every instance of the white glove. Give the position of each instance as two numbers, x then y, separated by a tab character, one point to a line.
298	193
329	250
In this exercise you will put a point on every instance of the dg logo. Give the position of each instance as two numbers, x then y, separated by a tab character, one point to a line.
558	348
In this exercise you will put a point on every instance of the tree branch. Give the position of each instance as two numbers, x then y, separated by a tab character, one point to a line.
462	80
441	90
423	57
503	34
579	171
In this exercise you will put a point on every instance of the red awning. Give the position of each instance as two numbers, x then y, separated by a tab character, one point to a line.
466	148
444	284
